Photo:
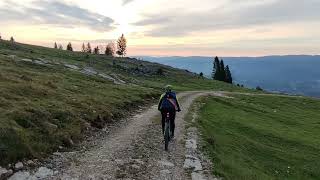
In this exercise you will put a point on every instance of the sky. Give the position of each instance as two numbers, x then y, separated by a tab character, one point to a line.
169	27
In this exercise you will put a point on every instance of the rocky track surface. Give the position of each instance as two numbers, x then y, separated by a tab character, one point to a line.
134	149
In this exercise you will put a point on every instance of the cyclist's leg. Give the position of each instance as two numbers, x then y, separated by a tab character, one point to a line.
172	121
163	119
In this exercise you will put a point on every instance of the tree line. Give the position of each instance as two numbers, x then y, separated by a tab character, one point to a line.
221	72
110	49
11	39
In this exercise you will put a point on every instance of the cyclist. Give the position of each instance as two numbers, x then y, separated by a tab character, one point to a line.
169	104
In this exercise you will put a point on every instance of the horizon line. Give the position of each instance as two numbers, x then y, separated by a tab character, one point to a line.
161	56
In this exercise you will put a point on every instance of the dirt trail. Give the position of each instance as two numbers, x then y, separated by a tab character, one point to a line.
133	151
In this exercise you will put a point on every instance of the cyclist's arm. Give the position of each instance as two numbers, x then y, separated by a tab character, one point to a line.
160	101
178	105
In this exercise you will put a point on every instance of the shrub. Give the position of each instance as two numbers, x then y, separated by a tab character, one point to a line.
160	71
258	88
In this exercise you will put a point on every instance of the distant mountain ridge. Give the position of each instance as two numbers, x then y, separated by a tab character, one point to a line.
294	74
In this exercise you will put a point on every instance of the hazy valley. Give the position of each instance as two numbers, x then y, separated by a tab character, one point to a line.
298	74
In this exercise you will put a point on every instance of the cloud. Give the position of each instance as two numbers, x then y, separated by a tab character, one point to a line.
153	20
55	13
102	41
124	2
232	15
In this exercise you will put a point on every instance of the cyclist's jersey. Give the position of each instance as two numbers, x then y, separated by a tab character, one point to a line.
169	101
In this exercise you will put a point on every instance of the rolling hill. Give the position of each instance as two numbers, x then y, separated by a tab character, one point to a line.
50	97
287	74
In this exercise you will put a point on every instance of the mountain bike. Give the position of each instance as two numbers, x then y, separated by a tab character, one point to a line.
167	132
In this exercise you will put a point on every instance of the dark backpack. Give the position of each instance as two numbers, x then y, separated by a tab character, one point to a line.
169	101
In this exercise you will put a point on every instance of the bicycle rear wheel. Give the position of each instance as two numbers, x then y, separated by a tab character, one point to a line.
166	136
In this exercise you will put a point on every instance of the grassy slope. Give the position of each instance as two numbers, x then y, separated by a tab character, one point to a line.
262	137
42	107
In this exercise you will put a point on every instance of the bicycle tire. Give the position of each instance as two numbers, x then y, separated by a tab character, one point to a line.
166	136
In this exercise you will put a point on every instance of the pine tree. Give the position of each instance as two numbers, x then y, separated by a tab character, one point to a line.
89	50
55	45
12	40
201	74
83	49
110	49
122	46
222	72
69	47
96	50
228	75
216	69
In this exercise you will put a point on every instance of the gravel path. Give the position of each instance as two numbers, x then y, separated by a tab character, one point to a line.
134	150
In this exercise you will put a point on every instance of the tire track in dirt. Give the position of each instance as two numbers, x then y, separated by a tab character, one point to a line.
130	152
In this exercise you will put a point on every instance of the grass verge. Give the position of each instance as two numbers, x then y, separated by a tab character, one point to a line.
262	137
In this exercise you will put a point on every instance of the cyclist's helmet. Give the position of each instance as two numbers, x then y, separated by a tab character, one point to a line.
168	88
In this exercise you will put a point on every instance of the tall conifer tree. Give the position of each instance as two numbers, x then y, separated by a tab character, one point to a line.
222	75
83	49
216	69
89	50
122	46
228	75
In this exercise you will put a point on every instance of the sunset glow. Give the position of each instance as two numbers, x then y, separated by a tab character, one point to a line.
164	27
